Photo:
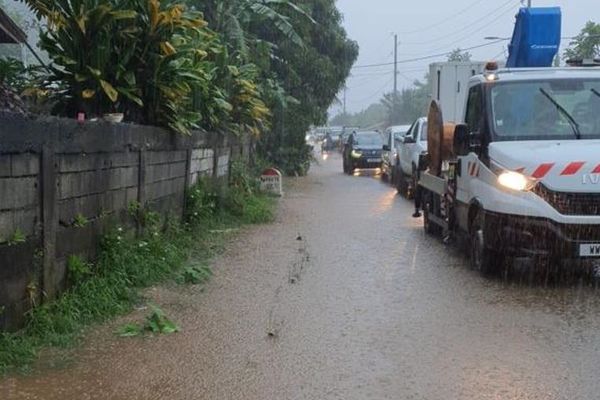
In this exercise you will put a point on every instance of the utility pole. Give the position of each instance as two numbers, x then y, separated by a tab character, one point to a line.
395	65
395	107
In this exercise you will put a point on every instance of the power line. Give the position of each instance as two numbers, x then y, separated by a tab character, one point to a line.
364	83
386	72
486	26
429	56
446	19
378	92
500	8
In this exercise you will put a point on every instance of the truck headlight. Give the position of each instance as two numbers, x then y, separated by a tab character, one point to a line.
356	154
514	180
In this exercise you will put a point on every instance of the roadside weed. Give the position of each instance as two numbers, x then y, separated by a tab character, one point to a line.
195	275
127	263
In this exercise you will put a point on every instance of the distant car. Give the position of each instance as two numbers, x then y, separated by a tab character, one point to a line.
329	143
363	150
393	137
412	146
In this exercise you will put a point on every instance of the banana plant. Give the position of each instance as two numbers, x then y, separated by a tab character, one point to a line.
233	18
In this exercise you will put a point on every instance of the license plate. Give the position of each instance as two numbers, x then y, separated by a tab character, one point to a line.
589	250
374	160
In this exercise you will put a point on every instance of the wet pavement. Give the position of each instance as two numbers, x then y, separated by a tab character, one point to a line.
344	297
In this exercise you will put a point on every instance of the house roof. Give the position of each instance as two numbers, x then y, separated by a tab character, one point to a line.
10	31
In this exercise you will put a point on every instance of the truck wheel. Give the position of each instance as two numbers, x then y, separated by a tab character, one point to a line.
384	175
483	259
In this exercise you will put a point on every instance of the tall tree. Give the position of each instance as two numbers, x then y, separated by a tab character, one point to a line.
375	114
459	55
302	57
586	44
312	74
410	104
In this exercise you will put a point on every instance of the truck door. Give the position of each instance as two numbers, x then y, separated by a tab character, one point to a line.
470	165
387	154
407	147
463	75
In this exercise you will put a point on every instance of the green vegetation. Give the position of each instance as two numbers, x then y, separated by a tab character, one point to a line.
78	270
270	68
128	263
195	275
80	221
459	55
17	237
371	116
586	45
403	109
156	323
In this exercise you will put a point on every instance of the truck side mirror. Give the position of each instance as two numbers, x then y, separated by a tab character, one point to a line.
461	140
409	140
475	142
386	147
464	141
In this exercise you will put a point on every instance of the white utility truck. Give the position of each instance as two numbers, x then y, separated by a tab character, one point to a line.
519	175
450	82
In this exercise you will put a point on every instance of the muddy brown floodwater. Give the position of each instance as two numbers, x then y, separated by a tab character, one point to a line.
364	306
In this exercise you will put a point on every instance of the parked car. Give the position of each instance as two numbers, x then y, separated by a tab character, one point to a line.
363	150
393	137
410	149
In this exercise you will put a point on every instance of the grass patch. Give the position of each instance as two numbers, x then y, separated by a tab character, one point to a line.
156	323
111	286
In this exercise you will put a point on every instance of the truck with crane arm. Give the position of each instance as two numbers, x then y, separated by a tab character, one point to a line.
519	176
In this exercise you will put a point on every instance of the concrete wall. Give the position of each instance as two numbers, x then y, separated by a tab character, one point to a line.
55	172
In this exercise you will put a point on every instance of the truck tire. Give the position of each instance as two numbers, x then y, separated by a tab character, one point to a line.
384	175
394	173
482	259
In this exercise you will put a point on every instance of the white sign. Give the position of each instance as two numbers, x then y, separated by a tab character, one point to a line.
589	250
271	181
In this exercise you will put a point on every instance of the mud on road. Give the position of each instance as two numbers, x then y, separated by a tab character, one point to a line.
344	297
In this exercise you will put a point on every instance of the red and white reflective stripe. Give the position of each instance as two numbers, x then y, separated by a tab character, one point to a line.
573	168
473	168
542	170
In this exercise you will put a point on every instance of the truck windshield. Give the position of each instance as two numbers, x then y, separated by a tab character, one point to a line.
546	110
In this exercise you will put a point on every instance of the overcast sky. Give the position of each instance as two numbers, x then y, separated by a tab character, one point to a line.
456	23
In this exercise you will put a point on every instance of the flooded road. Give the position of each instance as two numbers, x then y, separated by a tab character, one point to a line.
344	297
